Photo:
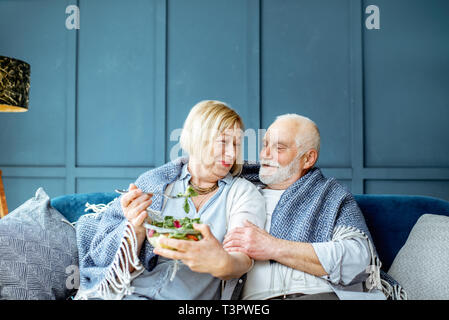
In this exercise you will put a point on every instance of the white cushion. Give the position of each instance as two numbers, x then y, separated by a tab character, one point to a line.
422	264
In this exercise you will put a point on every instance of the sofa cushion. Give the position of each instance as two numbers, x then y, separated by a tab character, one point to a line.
422	263
38	252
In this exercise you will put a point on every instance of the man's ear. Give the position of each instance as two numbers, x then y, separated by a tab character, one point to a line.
310	158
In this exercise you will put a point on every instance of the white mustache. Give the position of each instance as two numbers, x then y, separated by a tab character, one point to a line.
269	163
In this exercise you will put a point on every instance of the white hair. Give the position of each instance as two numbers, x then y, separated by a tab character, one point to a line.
305	140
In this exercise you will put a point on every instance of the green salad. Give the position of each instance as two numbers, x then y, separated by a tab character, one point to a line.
183	227
180	225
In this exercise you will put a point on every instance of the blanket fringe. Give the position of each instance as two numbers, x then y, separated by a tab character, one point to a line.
117	282
395	292
374	281
96	208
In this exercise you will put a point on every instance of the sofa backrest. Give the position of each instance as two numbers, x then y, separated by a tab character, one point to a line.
72	206
389	218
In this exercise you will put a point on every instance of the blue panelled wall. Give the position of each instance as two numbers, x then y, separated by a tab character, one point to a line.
106	99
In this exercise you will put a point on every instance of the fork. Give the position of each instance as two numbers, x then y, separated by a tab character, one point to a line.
162	194
153	214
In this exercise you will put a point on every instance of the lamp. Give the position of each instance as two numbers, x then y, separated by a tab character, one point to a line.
14	89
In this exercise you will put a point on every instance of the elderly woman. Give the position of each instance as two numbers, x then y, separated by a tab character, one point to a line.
117	261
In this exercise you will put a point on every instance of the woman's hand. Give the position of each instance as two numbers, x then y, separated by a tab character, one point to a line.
134	204
205	256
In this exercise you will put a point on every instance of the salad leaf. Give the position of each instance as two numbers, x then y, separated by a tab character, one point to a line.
190	192
178	236
186	206
168	222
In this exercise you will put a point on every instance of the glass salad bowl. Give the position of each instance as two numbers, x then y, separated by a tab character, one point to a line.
171	227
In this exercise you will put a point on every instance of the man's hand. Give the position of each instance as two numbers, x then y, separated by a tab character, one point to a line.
260	245
205	256
251	240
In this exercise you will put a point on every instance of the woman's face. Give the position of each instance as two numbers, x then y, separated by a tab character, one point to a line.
225	149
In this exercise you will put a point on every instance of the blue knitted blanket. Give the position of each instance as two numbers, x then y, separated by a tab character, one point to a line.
107	245
319	209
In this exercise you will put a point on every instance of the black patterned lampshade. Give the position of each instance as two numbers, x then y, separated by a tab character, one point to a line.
14	85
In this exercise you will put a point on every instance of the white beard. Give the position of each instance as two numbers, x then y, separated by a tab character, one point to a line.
281	174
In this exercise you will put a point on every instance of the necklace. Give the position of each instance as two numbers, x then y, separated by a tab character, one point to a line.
204	197
202	191
201	203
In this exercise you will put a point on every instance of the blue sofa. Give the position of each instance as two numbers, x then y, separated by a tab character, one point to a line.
390	218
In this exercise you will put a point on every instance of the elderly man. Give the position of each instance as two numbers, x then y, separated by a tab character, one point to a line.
315	244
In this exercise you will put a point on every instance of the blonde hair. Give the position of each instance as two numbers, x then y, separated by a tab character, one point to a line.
206	121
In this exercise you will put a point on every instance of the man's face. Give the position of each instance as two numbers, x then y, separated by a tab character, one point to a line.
279	156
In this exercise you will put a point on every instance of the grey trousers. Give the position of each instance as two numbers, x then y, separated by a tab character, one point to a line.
317	296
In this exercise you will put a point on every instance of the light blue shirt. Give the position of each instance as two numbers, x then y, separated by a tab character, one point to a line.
344	261
186	283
